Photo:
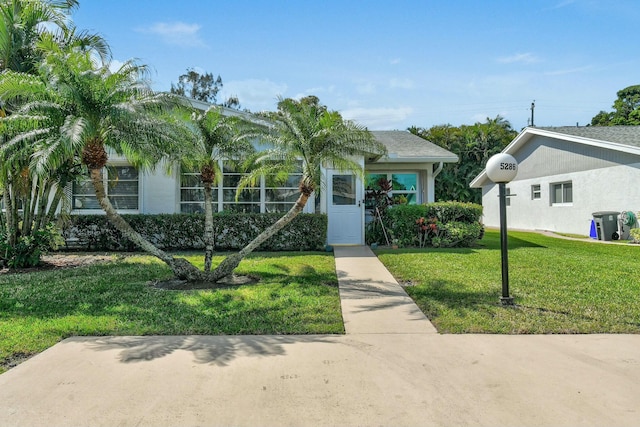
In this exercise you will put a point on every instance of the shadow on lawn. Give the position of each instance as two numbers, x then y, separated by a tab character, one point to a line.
215	350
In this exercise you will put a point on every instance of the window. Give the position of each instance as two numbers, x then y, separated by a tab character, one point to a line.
535	192
507	199
121	185
343	188
280	196
192	194
404	186
268	194
561	193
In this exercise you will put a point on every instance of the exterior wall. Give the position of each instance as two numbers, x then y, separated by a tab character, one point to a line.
160	192
602	180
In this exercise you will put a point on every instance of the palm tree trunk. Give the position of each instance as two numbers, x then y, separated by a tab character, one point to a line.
230	263
9	205
180	267
208	227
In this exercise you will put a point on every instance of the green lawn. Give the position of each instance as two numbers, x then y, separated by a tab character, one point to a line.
297	294
559	286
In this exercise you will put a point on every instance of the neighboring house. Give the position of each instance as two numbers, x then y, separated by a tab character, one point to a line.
565	174
412	163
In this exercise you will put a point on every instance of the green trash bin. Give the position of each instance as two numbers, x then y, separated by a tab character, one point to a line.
606	225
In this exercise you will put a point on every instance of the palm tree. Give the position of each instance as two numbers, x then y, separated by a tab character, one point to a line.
21	27
103	113
22	30
219	137
303	131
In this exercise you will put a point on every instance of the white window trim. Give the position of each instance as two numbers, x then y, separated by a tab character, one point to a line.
552	194
105	180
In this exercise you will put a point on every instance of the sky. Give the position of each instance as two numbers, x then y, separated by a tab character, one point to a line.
389	65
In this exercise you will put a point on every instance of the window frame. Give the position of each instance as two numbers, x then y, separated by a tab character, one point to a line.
563	186
389	176
536	192
106	180
265	193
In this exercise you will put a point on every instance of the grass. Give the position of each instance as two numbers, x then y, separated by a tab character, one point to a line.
559	286
297	294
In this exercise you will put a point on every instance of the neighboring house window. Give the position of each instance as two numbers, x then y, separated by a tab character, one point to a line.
535	192
562	193
121	185
507	193
404	186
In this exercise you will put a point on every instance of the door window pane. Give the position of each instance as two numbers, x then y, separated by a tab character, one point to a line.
344	189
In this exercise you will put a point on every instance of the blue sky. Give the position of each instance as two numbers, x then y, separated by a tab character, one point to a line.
390	64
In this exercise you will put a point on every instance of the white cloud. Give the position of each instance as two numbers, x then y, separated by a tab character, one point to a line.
176	33
395	61
524	58
569	71
401	83
378	118
254	94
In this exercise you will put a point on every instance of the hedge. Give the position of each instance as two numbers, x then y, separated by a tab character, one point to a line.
185	232
454	224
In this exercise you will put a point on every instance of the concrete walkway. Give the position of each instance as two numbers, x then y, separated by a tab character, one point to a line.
390	368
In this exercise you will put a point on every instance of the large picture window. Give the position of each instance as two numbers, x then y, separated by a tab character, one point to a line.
121	185
562	193
404	186
268	194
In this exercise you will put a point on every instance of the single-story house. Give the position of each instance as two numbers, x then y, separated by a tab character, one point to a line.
412	163
565	174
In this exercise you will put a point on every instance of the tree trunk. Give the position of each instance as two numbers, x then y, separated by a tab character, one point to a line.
230	263
9	205
208	227
180	267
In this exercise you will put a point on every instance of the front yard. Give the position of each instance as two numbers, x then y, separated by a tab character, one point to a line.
297	294
559	286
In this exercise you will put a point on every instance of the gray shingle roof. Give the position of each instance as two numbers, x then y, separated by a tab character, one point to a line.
405	145
628	135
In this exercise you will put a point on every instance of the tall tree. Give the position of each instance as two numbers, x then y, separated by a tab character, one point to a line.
30	199
303	131
474	145
219	138
201	87
103	112
626	109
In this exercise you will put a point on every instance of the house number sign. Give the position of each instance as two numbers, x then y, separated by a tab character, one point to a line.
502	168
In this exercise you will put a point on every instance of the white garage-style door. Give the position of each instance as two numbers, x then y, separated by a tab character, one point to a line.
344	209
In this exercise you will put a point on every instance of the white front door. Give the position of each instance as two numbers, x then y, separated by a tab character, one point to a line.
344	209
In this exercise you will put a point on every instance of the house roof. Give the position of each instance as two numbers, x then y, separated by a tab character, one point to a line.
405	147
619	138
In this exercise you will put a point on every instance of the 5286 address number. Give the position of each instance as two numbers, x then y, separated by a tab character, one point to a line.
508	166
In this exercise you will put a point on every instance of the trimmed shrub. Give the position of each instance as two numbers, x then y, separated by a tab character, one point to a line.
232	231
440	224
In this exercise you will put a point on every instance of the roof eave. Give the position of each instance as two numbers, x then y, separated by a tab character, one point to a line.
428	159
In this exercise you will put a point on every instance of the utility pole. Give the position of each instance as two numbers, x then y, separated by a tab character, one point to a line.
533	105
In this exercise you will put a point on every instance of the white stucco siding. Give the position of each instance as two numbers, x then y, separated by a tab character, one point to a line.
160	192
605	189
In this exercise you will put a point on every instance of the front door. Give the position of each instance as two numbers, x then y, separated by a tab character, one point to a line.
345	211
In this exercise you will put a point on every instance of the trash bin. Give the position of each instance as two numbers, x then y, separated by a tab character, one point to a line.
606	225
